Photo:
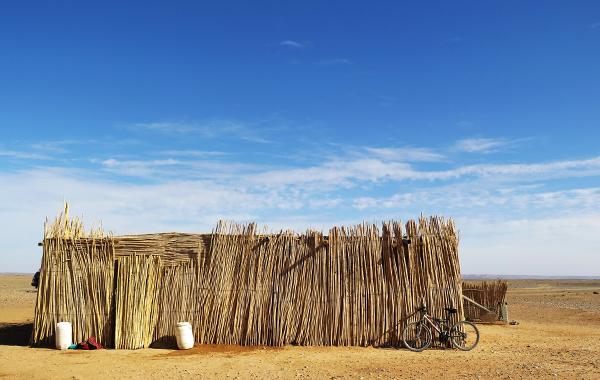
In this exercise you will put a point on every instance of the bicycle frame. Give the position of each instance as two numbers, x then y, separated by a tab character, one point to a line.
435	323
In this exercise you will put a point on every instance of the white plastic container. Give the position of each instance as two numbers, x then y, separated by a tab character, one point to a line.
64	335
184	335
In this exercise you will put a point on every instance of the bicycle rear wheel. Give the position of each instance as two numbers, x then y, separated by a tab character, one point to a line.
416	336
464	335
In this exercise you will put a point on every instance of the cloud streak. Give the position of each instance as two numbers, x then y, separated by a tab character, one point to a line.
331	62
379	166
292	44
27	155
191	153
480	145
406	154
489	201
213	128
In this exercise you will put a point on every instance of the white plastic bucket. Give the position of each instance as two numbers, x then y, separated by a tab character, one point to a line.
184	335
64	335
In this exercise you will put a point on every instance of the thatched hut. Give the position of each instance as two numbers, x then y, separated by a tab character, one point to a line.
356	286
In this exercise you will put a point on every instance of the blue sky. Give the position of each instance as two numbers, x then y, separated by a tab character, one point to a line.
158	117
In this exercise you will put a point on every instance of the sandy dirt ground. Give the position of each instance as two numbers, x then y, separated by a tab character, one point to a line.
558	336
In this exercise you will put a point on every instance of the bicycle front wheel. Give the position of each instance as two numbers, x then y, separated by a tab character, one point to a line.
416	336
464	335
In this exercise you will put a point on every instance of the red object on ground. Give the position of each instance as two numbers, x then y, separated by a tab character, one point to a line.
89	344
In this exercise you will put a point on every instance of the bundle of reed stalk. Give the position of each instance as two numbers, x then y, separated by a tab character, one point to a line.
357	285
173	248
76	282
136	292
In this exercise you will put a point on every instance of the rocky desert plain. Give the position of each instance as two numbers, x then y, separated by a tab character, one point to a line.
558	337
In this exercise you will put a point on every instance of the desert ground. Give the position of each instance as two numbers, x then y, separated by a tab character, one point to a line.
558	336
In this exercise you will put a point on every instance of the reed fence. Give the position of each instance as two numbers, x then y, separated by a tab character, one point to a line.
487	294
356	286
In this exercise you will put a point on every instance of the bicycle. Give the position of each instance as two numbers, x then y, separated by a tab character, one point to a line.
417	336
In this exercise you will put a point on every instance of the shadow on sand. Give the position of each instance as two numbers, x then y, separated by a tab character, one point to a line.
15	334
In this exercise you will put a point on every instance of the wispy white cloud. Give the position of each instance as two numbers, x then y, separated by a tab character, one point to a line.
324	203
212	128
193	169
42	150
54	146
523	172
364	202
193	205
488	201
595	25
485	145
381	166
141	169
479	145
27	155
169	127
335	62
348	174
113	163
330	175
191	153
405	154
292	44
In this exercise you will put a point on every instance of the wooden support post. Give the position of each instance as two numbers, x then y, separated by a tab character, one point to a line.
476	304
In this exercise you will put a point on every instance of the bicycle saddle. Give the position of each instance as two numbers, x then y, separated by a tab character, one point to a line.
451	311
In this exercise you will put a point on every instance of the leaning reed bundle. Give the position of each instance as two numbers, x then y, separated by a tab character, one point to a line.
357	285
136	300
76	282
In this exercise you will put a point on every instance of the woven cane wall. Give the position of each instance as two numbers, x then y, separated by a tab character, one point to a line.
356	286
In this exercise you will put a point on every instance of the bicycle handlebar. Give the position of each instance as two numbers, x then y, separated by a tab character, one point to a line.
448	309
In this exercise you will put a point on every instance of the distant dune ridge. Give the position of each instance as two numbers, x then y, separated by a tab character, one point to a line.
525	277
